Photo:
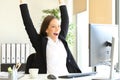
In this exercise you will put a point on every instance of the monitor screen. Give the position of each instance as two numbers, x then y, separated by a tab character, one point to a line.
100	43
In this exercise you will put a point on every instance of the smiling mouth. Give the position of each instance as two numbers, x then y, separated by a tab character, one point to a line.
56	34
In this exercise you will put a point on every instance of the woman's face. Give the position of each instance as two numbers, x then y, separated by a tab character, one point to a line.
53	29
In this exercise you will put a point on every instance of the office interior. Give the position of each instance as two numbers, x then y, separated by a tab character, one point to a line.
81	13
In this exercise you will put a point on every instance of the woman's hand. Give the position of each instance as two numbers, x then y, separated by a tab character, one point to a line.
21	1
61	1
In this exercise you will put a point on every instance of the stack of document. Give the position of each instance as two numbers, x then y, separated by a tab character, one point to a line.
4	75
15	52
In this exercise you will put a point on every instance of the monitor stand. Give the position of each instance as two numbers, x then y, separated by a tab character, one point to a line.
112	59
111	77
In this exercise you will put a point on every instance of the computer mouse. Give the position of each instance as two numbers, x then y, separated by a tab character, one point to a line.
51	76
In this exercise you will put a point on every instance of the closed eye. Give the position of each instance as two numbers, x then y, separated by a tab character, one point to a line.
53	26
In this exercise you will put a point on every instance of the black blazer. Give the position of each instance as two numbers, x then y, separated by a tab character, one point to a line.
39	42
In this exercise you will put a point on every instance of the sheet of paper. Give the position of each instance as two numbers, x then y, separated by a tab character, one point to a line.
3	75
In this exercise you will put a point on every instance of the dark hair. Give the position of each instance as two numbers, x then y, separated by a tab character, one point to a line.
45	24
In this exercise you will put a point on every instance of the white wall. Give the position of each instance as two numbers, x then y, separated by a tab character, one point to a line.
83	39
11	25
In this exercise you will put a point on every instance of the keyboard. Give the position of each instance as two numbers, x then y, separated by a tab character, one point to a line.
74	75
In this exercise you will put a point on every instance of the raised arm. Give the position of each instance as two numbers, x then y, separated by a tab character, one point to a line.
29	27
64	19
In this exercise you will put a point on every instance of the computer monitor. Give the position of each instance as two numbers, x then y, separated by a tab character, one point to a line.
100	43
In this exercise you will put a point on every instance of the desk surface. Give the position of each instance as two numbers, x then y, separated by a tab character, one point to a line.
44	77
92	77
98	76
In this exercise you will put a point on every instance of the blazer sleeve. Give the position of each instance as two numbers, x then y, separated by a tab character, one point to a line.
29	27
64	21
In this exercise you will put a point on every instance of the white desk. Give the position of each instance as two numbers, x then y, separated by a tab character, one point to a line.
98	76
44	77
92	77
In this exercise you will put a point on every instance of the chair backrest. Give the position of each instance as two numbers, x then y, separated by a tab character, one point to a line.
30	62
4	67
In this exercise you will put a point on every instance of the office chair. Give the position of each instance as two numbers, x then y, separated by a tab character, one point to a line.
30	62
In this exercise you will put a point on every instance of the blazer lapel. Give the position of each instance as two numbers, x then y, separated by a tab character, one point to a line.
44	44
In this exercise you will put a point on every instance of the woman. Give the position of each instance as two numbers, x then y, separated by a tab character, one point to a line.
53	55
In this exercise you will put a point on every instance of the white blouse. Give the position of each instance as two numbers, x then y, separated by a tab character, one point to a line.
56	58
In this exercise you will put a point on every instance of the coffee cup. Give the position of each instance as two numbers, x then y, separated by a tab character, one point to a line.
33	72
